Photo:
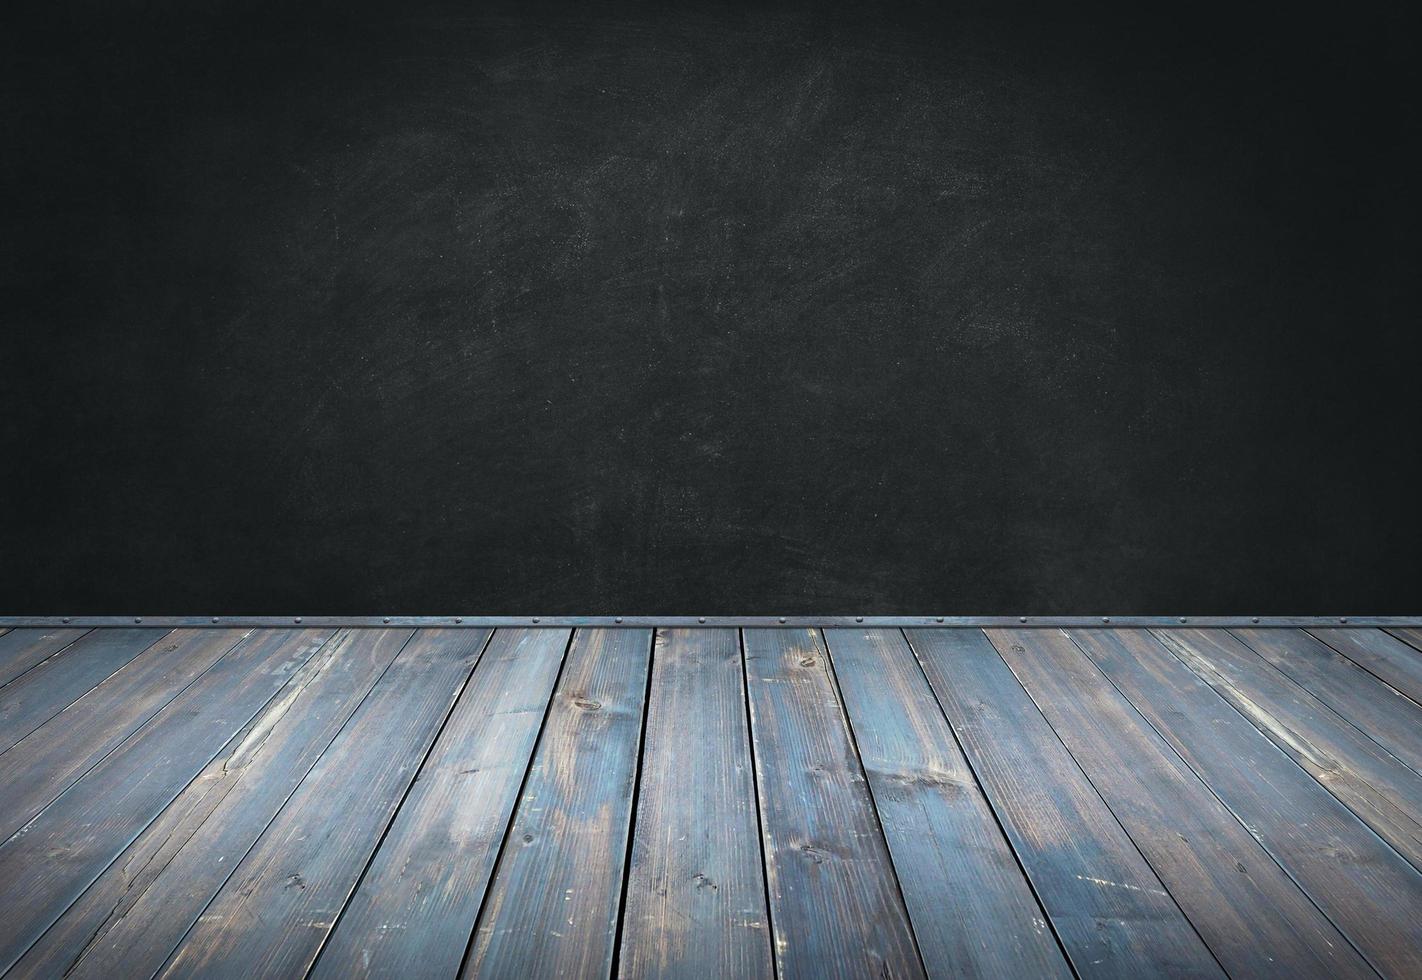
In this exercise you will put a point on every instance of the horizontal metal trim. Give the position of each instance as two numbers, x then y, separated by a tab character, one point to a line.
750	622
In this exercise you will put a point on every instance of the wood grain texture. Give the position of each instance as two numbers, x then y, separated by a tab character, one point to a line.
1411	635
130	919
272	915
1251	914
552	909
21	649
1395	659
51	686
1370	781
835	905
695	903
416	906
940	828
1388	717
1364	886
48	864
1110	910
303	801
48	761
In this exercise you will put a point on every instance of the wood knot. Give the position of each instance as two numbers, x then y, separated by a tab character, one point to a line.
587	704
816	855
807	661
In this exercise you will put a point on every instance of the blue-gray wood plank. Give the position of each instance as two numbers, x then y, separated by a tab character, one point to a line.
698	802
697	908
552	908
835	904
939	825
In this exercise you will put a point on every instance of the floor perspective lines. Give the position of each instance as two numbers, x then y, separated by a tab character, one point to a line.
530	802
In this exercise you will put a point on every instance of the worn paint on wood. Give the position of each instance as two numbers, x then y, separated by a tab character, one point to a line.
1395	659
835	904
133	916
47	865
299	754
1113	915
272	916
940	828
552	908
48	761
1411	635
21	649
1369	891
416	906
1380	790
695	902
49	687
1360	698
1250	913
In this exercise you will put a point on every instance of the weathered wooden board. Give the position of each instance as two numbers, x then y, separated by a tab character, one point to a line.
21	649
552	908
945	841
1411	635
1359	697
1384	793
835	904
695	903
286	802
47	761
1250	913
273	914
1112	914
416	907
47	865
1394	659
133	916
1369	891
51	686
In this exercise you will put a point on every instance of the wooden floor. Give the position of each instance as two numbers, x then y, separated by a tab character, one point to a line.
710	803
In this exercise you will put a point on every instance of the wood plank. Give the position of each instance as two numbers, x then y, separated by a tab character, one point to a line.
271	917
49	687
696	888
1370	781
1109	909
47	761
134	915
1251	914
1411	635
1369	891
552	908
1372	706
49	863
835	905
415	909
940	828
1382	654
21	649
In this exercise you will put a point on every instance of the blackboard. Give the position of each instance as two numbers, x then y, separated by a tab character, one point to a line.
691	307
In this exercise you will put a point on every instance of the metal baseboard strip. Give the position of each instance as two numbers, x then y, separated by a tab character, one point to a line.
750	622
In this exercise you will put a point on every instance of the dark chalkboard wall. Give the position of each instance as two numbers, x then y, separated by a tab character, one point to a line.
683	307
